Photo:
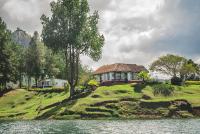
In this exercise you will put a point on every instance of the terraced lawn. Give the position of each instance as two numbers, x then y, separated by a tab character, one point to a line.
118	101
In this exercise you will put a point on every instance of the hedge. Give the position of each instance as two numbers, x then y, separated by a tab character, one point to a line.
192	82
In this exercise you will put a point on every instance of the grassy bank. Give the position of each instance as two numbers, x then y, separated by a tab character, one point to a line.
118	101
23	104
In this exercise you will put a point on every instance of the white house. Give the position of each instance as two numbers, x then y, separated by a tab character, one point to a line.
118	72
52	83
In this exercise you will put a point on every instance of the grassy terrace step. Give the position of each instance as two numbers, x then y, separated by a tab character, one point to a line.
99	109
95	115
103	103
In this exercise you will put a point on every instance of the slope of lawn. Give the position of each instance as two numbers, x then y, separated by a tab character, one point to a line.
24	104
190	93
118	101
121	101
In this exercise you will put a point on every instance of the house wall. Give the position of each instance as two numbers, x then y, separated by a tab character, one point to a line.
111	75
97	78
52	82
129	76
46	83
123	76
104	77
59	83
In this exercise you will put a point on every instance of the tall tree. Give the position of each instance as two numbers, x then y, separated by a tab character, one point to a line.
73	31
18	62
52	64
5	55
169	65
35	58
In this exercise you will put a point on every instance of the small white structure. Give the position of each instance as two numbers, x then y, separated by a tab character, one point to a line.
52	83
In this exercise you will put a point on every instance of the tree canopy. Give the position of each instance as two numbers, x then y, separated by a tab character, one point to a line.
175	66
168	64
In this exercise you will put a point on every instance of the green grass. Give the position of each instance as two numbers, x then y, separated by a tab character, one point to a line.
25	104
48	89
106	101
106	93
190	93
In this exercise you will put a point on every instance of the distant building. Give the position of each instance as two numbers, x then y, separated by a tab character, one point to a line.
51	83
118	72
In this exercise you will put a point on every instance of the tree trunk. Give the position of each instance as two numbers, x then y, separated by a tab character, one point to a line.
29	82
72	91
77	68
20	80
36	81
71	74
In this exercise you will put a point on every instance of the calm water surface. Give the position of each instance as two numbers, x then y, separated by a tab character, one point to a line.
191	126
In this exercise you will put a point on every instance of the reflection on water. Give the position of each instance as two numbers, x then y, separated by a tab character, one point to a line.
191	126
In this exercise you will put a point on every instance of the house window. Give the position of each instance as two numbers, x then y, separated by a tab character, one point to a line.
113	75
118	76
133	76
108	76
123	76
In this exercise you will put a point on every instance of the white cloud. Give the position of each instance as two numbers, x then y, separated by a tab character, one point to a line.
136	31
24	13
21	10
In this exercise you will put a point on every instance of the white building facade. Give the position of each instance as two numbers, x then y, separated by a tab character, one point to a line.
118	72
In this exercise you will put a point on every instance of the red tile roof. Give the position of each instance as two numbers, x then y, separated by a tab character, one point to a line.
120	67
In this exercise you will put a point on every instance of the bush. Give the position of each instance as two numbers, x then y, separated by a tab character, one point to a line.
163	89
138	87
177	81
192	82
92	84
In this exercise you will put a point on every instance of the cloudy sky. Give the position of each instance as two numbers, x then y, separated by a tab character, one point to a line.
136	31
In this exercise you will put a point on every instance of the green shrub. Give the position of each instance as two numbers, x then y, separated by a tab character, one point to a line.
163	89
93	83
138	87
192	82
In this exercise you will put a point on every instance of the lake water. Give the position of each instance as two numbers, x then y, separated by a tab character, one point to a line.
191	126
